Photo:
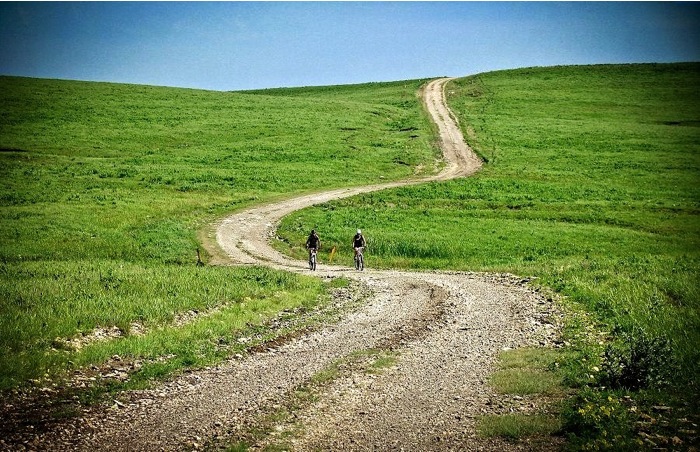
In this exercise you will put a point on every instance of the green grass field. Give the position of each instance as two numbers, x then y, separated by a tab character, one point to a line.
104	187
592	184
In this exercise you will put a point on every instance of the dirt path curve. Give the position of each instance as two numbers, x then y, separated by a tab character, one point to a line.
245	235
442	332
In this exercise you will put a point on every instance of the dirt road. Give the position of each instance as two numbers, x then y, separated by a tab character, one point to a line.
244	236
438	333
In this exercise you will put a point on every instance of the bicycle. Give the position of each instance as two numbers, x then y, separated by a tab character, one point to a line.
359	259
312	259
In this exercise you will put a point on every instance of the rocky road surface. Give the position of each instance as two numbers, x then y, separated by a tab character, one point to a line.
440	333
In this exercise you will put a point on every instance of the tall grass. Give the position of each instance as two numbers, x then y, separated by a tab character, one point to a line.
103	188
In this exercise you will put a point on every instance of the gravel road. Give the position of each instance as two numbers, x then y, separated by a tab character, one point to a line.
442	331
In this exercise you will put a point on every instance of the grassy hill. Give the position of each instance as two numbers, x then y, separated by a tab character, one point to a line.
103	188
592	184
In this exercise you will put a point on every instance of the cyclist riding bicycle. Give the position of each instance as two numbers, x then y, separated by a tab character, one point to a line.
313	242
358	241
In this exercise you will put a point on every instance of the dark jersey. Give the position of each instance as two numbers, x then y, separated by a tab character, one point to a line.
313	241
358	241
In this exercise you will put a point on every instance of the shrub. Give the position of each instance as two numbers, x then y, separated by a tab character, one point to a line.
597	420
637	360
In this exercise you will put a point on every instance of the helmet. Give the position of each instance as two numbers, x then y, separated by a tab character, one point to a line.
359	231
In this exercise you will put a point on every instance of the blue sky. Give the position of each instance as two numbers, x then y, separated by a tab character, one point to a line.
245	45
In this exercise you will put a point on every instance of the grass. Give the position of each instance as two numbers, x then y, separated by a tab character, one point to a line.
129	172
105	187
69	300
591	185
533	374
370	361
517	426
526	372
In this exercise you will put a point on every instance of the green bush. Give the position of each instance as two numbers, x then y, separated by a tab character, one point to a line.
637	360
598	420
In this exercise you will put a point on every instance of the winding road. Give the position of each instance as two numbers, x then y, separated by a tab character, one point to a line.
441	330
245	236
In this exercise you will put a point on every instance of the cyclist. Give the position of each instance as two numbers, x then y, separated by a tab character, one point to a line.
313	242
358	241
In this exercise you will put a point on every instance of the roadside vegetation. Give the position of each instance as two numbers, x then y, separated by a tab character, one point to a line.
104	188
591	184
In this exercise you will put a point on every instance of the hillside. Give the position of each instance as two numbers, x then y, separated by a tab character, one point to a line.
591	186
104	188
589	190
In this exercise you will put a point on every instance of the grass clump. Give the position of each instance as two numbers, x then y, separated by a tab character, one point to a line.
601	422
517	426
527	372
528	375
